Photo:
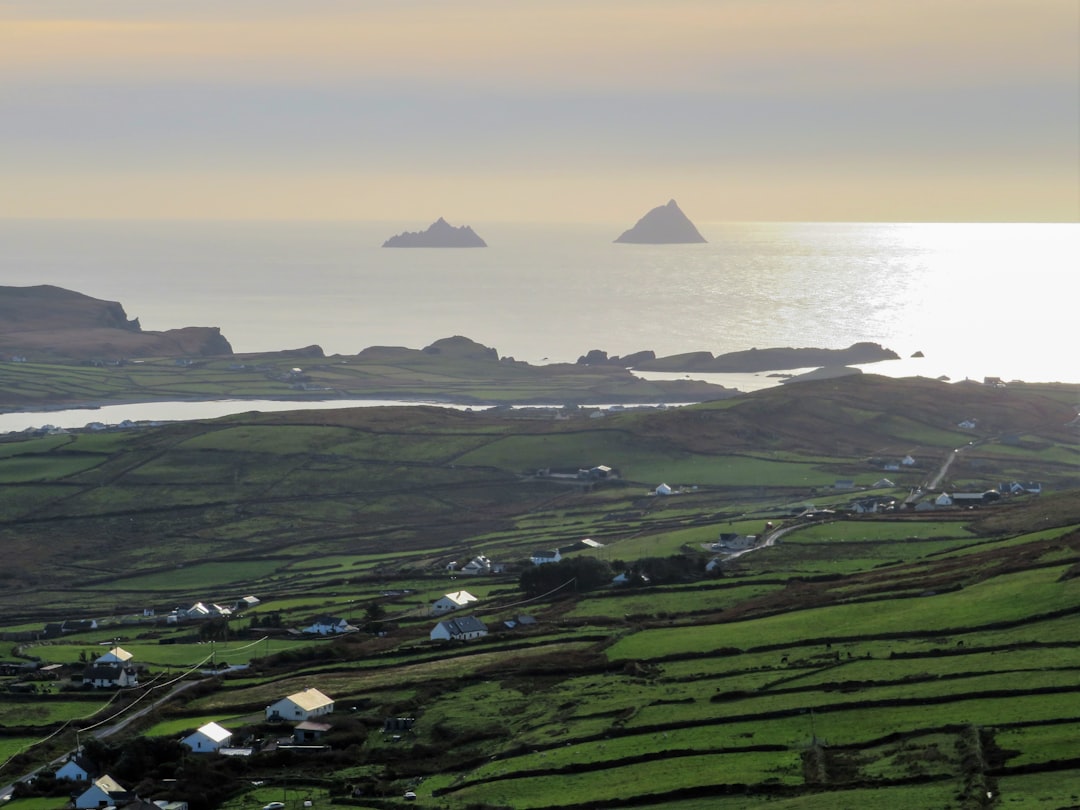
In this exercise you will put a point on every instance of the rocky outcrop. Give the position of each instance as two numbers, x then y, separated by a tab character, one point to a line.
461	347
664	225
450	348
746	362
47	322
440	234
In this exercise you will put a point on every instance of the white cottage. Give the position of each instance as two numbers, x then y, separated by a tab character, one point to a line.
462	629
452	601
329	626
113	669
545	556
208	738
103	792
300	706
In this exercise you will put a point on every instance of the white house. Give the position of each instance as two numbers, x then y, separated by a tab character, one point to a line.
452	601
106	676
103	792
113	669
944	499
477	565
462	629
329	626
208	738
664	489
907	461
300	706
545	556
78	769
200	610
732	541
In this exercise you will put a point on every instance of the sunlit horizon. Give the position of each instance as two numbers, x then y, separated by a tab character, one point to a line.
567	111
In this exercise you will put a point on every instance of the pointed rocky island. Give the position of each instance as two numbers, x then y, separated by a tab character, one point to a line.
441	234
664	225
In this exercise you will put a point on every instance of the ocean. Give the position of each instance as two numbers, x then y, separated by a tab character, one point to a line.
976	300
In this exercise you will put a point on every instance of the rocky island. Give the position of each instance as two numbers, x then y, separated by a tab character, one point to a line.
441	234
664	225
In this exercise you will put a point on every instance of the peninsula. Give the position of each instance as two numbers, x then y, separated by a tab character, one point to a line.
440	234
663	225
44	323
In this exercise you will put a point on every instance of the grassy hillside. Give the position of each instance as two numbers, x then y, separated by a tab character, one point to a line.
924	659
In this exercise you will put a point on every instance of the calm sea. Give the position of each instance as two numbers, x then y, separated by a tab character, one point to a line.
976	299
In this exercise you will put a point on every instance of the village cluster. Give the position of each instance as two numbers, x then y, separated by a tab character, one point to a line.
92	789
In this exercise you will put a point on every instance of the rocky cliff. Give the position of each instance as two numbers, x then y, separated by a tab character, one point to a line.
50	323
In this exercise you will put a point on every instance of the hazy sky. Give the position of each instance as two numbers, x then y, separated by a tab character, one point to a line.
557	110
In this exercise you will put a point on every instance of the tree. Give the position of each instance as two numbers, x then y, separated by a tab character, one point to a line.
583	574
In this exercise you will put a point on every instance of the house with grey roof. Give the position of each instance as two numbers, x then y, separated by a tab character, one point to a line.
459	629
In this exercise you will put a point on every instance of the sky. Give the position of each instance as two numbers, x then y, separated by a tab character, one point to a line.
541	110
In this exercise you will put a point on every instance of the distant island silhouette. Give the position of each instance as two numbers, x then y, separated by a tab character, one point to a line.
439	235
664	225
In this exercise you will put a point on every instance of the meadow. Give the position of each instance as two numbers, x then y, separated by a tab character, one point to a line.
899	660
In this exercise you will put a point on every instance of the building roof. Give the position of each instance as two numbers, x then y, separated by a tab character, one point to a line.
311	725
329	621
460	597
118	654
214	732
310	699
464	625
108	784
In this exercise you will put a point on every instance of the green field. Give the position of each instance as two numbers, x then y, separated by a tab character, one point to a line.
895	660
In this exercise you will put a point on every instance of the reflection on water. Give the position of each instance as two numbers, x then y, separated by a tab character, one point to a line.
116	415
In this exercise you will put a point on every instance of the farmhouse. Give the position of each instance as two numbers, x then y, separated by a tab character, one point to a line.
103	792
113	669
545	556
78	768
452	601
208	738
463	629
732	541
328	626
477	565
300	706
201	610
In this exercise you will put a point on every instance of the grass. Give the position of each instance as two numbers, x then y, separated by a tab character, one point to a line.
1006	598
636	694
